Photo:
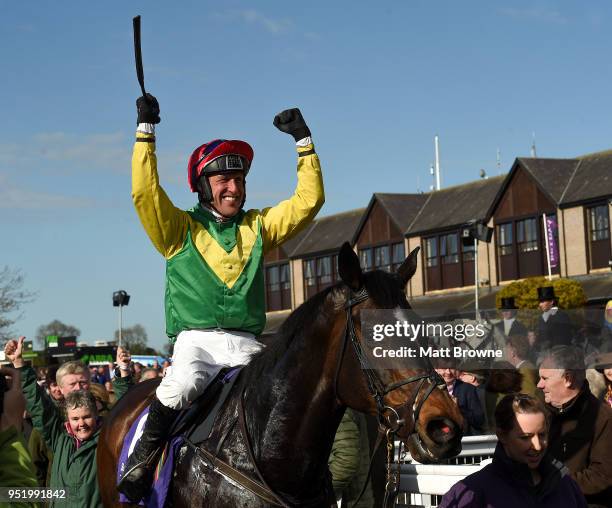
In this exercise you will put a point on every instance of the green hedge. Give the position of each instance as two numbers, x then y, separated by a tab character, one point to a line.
569	293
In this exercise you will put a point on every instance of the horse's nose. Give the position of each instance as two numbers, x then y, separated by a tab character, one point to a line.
441	430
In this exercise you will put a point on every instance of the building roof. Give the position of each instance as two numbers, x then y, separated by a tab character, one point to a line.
293	243
551	175
454	206
571	181
591	180
327	234
402	208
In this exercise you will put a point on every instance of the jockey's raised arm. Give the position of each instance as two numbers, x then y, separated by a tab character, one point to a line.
215	296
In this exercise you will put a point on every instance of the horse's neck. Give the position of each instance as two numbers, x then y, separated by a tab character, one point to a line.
297	412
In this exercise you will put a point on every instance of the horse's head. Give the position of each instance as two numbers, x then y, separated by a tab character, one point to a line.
410	399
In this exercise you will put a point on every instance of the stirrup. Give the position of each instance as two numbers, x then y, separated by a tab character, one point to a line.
148	464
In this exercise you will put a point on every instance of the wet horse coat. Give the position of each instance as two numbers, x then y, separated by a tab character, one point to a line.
293	396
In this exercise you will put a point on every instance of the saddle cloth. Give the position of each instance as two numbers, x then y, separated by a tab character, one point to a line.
195	423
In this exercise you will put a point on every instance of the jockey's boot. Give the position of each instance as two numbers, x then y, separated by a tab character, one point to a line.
137	479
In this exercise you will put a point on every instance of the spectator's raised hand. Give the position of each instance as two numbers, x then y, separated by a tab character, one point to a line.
14	351
124	359
14	404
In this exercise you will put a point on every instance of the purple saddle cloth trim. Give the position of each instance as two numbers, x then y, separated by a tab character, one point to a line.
231	373
159	492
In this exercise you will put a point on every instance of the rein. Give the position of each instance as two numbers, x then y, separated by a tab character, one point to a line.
388	417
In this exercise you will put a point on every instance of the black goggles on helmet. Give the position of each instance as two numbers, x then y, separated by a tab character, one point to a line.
228	162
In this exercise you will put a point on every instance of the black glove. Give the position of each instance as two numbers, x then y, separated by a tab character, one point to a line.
292	122
148	109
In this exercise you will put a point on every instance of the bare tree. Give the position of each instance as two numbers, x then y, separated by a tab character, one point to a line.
168	349
12	297
135	340
55	327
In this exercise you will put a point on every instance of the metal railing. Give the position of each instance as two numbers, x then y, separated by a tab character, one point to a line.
423	485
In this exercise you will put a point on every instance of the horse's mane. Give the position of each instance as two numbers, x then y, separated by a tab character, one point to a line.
263	362
382	287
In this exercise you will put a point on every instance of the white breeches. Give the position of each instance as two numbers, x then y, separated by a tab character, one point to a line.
198	357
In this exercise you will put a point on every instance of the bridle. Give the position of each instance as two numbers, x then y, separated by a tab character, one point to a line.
388	416
389	420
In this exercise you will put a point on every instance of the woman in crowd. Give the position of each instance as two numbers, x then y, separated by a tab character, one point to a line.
72	435
521	474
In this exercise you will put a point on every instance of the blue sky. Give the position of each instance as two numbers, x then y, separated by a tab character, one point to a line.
375	84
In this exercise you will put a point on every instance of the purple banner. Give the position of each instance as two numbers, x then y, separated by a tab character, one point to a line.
553	248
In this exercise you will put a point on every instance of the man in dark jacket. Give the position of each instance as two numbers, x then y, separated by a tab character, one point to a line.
581	428
466	397
554	325
509	325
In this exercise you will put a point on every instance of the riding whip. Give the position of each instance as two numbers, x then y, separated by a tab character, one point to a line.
138	55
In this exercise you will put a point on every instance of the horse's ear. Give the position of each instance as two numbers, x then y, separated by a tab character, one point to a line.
408	268
348	267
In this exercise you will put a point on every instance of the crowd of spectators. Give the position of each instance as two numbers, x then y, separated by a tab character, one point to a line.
553	393
51	418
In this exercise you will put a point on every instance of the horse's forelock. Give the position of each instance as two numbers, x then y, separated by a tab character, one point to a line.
385	290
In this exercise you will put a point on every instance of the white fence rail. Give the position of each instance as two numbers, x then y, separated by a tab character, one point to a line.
423	485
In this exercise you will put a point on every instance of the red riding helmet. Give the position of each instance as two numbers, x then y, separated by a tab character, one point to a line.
217	156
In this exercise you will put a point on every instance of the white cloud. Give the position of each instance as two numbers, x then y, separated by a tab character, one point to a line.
544	14
253	17
106	151
15	198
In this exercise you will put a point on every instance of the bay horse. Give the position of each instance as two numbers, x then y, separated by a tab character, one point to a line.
289	401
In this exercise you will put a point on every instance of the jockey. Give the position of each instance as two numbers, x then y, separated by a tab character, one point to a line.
215	296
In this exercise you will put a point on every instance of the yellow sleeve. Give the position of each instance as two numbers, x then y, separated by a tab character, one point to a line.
165	224
281	222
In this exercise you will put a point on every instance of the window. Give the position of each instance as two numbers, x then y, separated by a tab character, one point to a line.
449	249
319	273
527	235
365	259
310	272
285	276
382	258
449	263
278	287
324	271
599	223
431	252
504	239
398	255
272	278
468	251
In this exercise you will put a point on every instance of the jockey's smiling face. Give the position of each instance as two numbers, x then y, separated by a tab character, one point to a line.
228	191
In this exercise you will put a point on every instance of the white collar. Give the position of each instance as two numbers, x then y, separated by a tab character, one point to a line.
218	217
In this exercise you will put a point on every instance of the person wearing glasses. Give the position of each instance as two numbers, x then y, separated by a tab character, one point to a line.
521	473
